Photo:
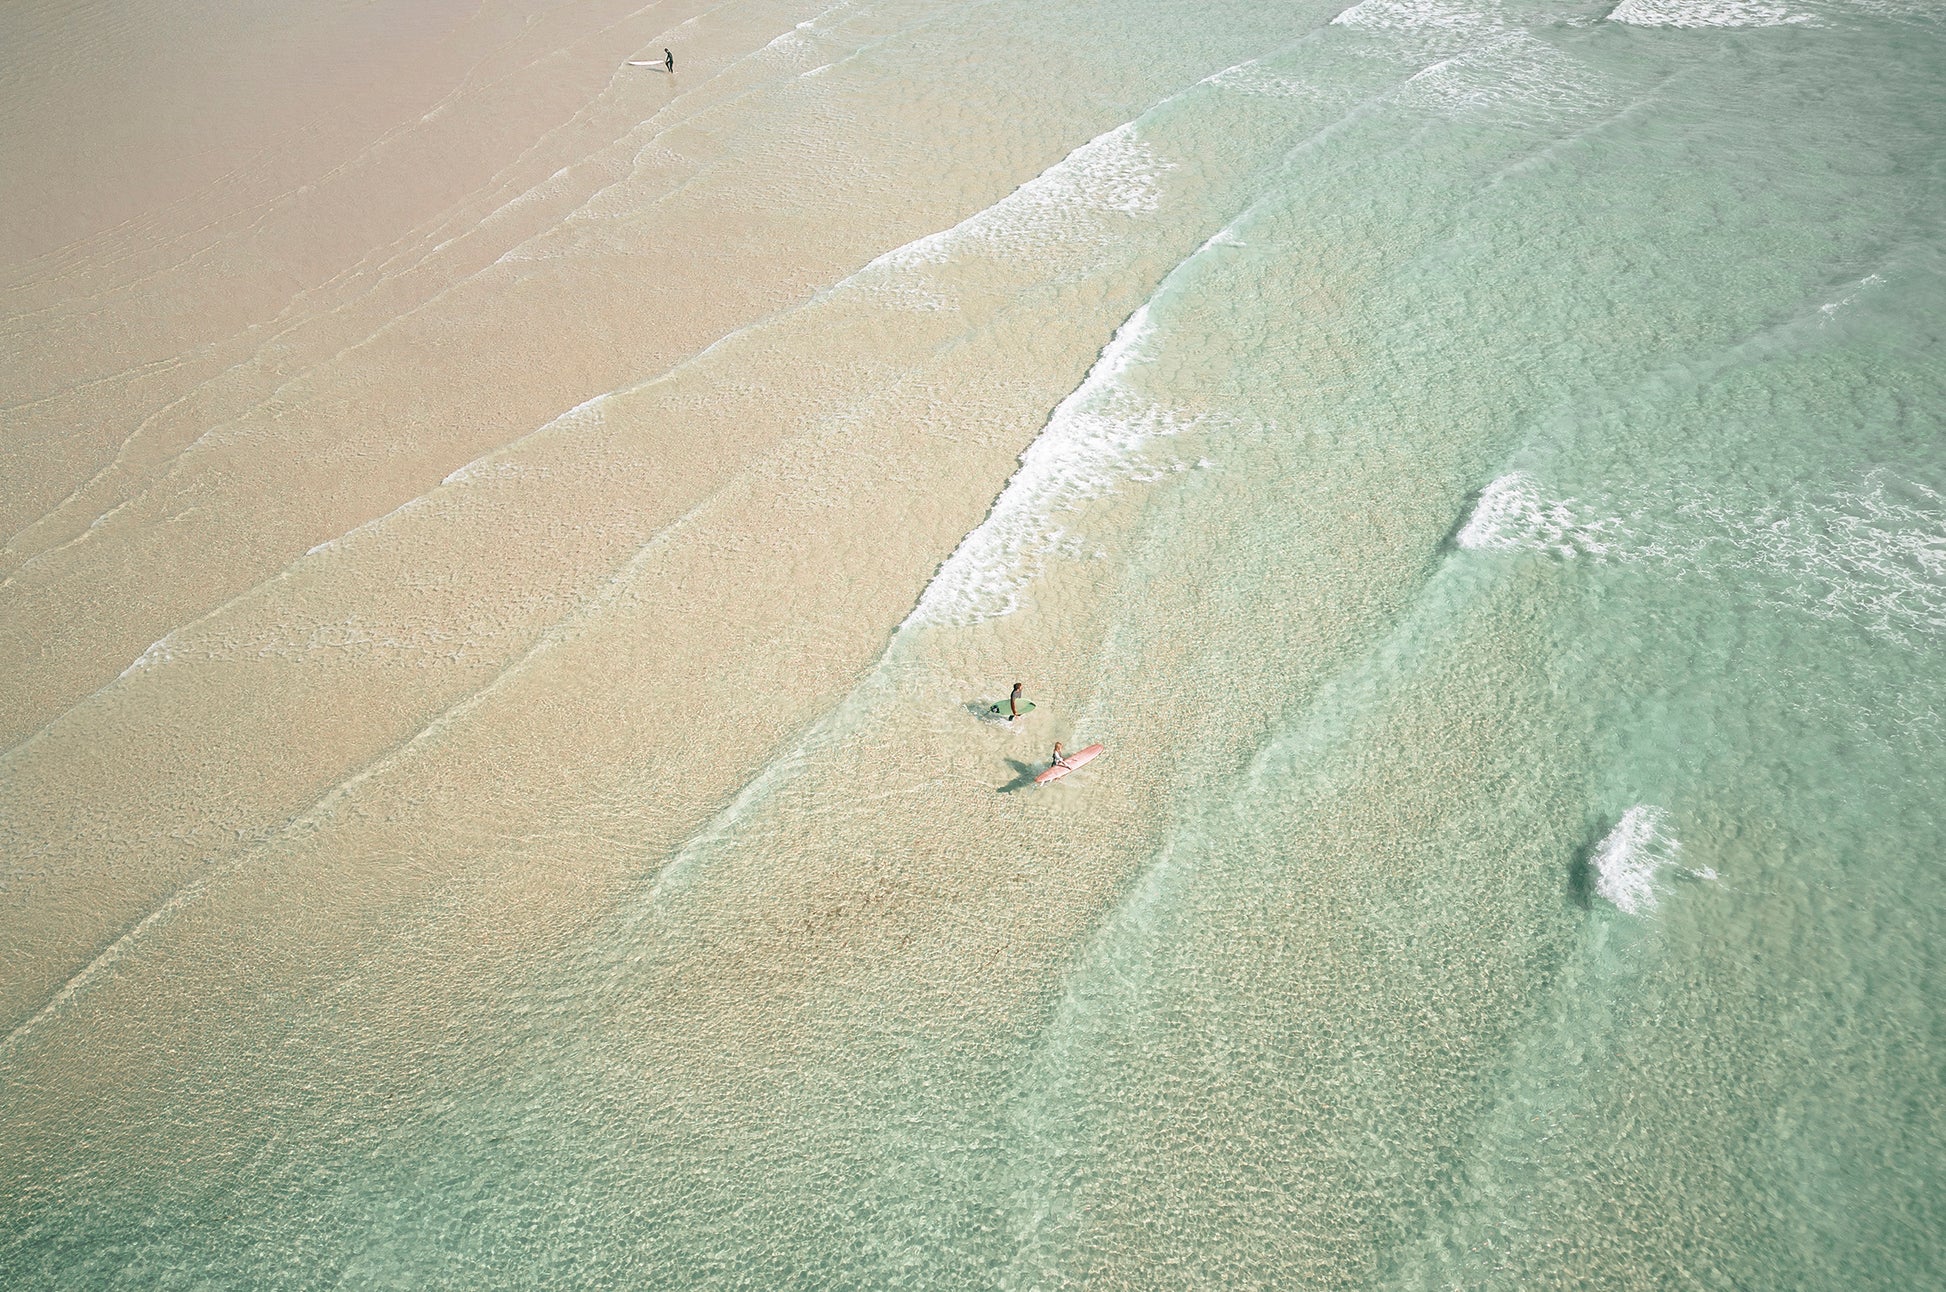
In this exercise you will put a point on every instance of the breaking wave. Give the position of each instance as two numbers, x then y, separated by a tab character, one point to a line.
1091	441
1630	861
1705	13
1873	555
1512	516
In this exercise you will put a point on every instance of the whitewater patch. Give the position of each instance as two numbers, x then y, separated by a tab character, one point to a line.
159	653
1513	76
1477	62
1631	860
1421	16
1830	309
1092	441
797	49
1705	13
1873	555
1058	221
1253	79
1511	516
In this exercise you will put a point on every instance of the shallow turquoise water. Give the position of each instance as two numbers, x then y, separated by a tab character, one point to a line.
1514	540
1505	554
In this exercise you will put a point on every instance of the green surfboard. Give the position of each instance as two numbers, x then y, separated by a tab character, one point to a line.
1000	710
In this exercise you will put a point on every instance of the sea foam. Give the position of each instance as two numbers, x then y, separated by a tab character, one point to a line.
1513	75
1632	858
1873	555
1474	60
1705	13
1091	441
1420	16
1511	516
1063	215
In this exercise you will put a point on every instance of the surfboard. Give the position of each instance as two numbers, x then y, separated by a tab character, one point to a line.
1000	710
646	62
1076	759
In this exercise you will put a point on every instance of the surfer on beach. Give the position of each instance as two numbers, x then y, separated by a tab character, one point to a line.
1013	703
669	62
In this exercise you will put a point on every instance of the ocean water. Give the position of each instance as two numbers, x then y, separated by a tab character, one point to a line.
1479	468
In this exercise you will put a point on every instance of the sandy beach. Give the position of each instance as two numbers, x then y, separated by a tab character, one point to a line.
301	545
460	456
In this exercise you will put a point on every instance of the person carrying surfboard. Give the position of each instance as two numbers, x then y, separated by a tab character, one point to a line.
1013	702
669	62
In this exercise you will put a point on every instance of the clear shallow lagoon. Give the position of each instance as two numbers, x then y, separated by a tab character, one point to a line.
1502	543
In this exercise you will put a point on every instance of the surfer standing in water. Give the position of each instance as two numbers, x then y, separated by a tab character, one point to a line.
1013	703
669	62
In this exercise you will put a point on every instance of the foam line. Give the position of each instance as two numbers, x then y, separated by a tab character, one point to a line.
1705	13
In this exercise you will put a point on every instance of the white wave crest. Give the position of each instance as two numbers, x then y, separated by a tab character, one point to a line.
1631	859
1831	309
1874	555
1253	79
1070	205
1483	62
1512	516
587	415
158	654
1705	13
1511	75
1419	16
1092	440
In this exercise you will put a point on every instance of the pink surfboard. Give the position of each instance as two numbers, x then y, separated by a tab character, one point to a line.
1076	759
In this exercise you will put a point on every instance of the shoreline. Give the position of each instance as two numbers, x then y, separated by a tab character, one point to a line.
130	818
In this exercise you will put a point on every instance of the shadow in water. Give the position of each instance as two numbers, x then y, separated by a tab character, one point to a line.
1581	870
1026	772
1468	505
984	710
